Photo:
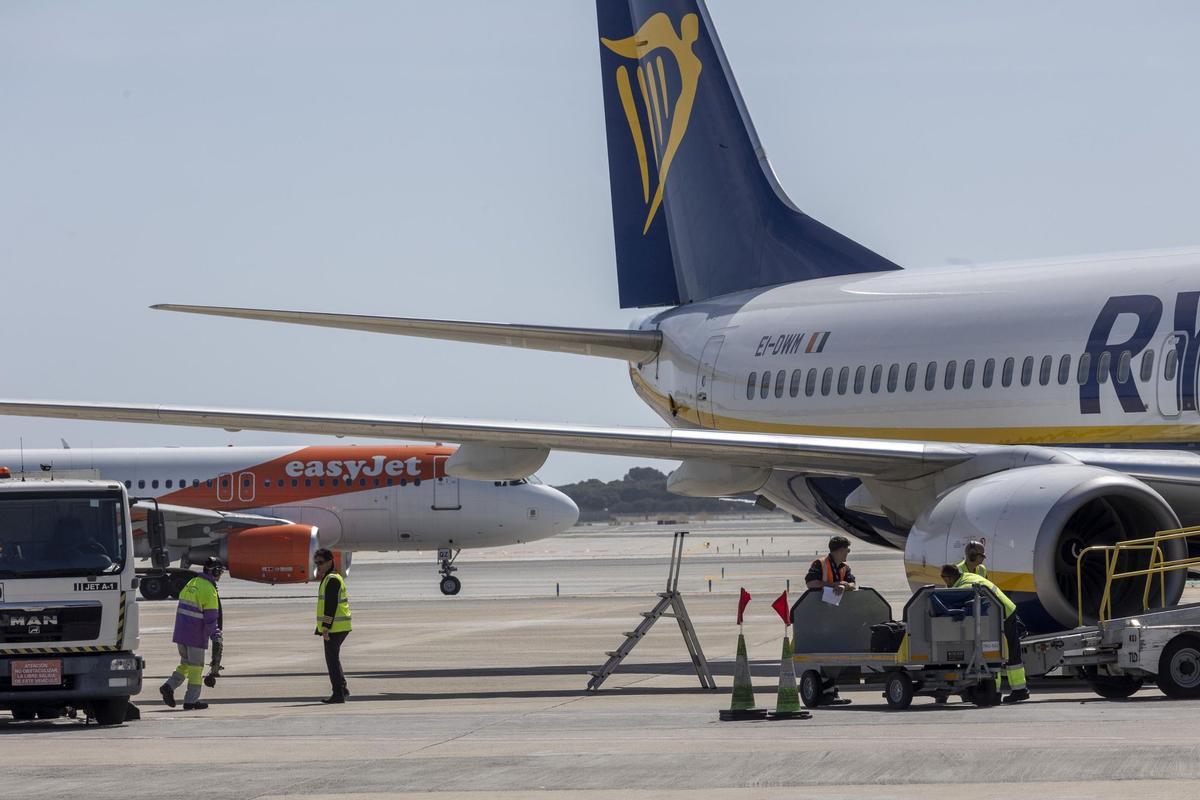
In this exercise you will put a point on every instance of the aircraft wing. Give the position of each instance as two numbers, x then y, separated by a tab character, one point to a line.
189	522
627	345
863	457
1181	467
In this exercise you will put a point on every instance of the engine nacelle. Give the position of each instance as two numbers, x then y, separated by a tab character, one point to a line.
271	553
1035	522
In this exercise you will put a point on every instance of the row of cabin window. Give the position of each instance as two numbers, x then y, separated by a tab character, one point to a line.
952	377
170	483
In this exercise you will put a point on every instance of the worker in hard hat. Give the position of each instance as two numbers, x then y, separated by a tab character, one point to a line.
1015	669
973	555
197	622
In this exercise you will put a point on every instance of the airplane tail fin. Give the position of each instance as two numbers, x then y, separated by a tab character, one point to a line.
697	210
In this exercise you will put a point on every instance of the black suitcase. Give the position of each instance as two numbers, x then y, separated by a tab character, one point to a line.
886	637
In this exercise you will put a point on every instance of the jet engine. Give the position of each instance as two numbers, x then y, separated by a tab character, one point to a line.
271	553
1036	521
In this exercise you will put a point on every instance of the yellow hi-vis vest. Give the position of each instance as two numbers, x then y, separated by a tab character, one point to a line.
981	570
969	577
339	620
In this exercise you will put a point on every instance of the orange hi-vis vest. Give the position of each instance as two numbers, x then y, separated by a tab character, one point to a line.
832	574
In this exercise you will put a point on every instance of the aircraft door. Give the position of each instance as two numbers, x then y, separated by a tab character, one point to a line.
1168	388
445	487
705	377
225	488
246	487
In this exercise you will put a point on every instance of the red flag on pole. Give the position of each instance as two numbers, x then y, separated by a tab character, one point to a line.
781	608
743	601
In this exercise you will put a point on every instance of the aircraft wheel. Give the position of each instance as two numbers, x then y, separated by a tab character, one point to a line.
450	585
1179	668
177	580
155	587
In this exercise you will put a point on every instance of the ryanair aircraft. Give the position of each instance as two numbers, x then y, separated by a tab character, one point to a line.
1043	407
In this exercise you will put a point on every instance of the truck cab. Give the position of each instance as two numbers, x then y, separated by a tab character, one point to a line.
68	619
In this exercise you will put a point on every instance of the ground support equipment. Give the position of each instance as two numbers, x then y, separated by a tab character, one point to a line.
670	599
952	645
1116	657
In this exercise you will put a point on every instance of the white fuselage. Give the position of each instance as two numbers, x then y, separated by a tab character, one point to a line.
383	498
982	355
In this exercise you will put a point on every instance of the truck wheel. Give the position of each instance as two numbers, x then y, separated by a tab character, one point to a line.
898	691
50	713
1179	668
111	711
23	714
1116	687
155	587
810	688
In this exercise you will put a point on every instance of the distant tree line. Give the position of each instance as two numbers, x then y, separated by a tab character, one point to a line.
643	491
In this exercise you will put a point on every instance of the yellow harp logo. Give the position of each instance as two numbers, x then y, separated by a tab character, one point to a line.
666	123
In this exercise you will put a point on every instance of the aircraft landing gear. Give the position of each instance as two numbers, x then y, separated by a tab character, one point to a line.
156	587
450	585
165	584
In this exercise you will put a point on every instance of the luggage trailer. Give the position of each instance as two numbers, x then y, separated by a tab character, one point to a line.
952	645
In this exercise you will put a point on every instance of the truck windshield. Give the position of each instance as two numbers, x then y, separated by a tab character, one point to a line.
67	533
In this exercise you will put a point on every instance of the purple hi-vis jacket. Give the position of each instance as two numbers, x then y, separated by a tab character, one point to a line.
198	617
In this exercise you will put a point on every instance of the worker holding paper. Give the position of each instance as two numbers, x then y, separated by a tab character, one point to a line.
832	577
832	573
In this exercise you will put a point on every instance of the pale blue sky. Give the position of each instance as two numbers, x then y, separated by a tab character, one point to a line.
448	160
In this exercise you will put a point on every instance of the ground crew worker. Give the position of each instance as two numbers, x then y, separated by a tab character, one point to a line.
975	552
197	621
832	571
333	621
1014	667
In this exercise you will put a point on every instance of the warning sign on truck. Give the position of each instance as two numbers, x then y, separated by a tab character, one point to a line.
42	672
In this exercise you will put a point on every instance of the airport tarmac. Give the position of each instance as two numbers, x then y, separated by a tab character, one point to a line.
483	695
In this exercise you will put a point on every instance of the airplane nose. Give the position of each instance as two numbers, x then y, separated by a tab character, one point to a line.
546	511
564	512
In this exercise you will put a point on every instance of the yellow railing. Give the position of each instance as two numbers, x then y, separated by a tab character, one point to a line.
1158	565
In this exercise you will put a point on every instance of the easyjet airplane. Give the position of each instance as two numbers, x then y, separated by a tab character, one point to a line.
1043	407
265	510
